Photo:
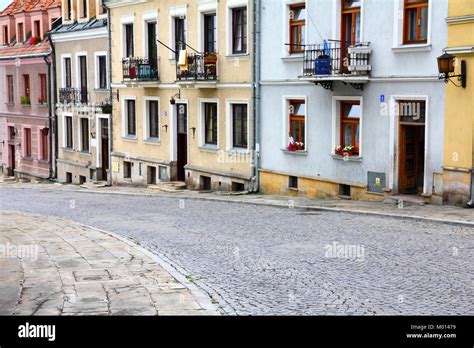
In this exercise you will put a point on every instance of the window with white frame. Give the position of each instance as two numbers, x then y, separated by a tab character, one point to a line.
100	70
27	149
347	116
177	29
209	32
208	123
237	124
84	134
128	40
152	119
43	144
412	25
68	135
129	118
150	43
238	30
66	71
294	123
296	27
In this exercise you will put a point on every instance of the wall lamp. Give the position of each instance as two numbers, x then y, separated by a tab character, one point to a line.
194	131
165	126
446	67
173	98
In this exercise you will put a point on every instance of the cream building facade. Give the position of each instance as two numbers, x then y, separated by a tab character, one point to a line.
181	86
83	105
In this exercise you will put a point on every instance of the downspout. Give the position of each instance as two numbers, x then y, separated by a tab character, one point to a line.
109	50
255	83
470	204
50	119
52	109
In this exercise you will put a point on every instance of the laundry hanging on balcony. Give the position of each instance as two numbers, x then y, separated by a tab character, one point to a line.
183	60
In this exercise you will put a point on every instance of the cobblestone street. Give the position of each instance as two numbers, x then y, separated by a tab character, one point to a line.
269	260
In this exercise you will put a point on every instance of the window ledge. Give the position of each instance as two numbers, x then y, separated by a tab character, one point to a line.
238	55
412	48
43	161
10	104
239	150
152	141
349	158
42	105
68	149
85	152
210	148
101	90
297	152
130	138
292	58
27	158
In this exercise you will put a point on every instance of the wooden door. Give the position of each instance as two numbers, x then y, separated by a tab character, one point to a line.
12	160
411	159
350	30
182	139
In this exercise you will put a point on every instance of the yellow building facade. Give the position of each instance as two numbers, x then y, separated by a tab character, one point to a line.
459	116
181	91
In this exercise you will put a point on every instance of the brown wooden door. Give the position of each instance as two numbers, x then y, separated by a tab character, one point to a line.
182	139
12	160
411	159
350	30
104	138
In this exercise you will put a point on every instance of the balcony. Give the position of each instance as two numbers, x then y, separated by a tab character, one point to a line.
73	95
139	70
198	68
336	61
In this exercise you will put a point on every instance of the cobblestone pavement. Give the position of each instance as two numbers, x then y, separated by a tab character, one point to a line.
268	260
55	267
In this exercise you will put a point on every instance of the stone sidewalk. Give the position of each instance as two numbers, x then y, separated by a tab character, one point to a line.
50	266
437	213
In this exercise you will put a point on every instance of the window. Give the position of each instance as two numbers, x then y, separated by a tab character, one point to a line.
297	27
83	78
130	117
129	48
297	114
83	8
127	170
102	73
350	23
21	34
68	10
210	123
153	119
44	144
6	39
67	73
51	23
37	27
84	134
210	32
27	142
239	30
350	123
152	48
43	98
68	131
239	125
179	33
26	90
10	96
102	9
415	21
293	182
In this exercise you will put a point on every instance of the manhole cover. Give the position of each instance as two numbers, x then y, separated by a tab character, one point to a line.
92	275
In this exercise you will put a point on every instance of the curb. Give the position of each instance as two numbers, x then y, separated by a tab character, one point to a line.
274	204
199	295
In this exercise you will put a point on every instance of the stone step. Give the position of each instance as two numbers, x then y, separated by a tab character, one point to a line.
168	186
94	184
407	200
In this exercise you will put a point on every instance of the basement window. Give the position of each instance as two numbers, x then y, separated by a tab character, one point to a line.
205	183
293	182
127	170
237	186
345	190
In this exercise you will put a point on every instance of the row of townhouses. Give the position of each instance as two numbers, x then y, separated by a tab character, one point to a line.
360	99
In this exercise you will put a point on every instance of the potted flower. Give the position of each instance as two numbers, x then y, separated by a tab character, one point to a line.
210	57
345	150
291	144
42	101
25	100
299	145
33	40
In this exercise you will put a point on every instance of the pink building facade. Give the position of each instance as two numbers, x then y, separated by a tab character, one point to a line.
26	108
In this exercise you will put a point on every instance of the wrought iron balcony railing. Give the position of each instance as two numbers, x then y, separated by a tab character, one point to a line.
336	58
199	67
73	95
140	69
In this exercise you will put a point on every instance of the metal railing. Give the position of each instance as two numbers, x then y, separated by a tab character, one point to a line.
140	69
336	58
73	95
199	67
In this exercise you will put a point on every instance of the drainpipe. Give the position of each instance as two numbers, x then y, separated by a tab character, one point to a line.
53	121
109	50
470	204
255	82
50	119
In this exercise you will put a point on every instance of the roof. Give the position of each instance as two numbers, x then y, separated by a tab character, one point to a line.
14	51
68	28
17	6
